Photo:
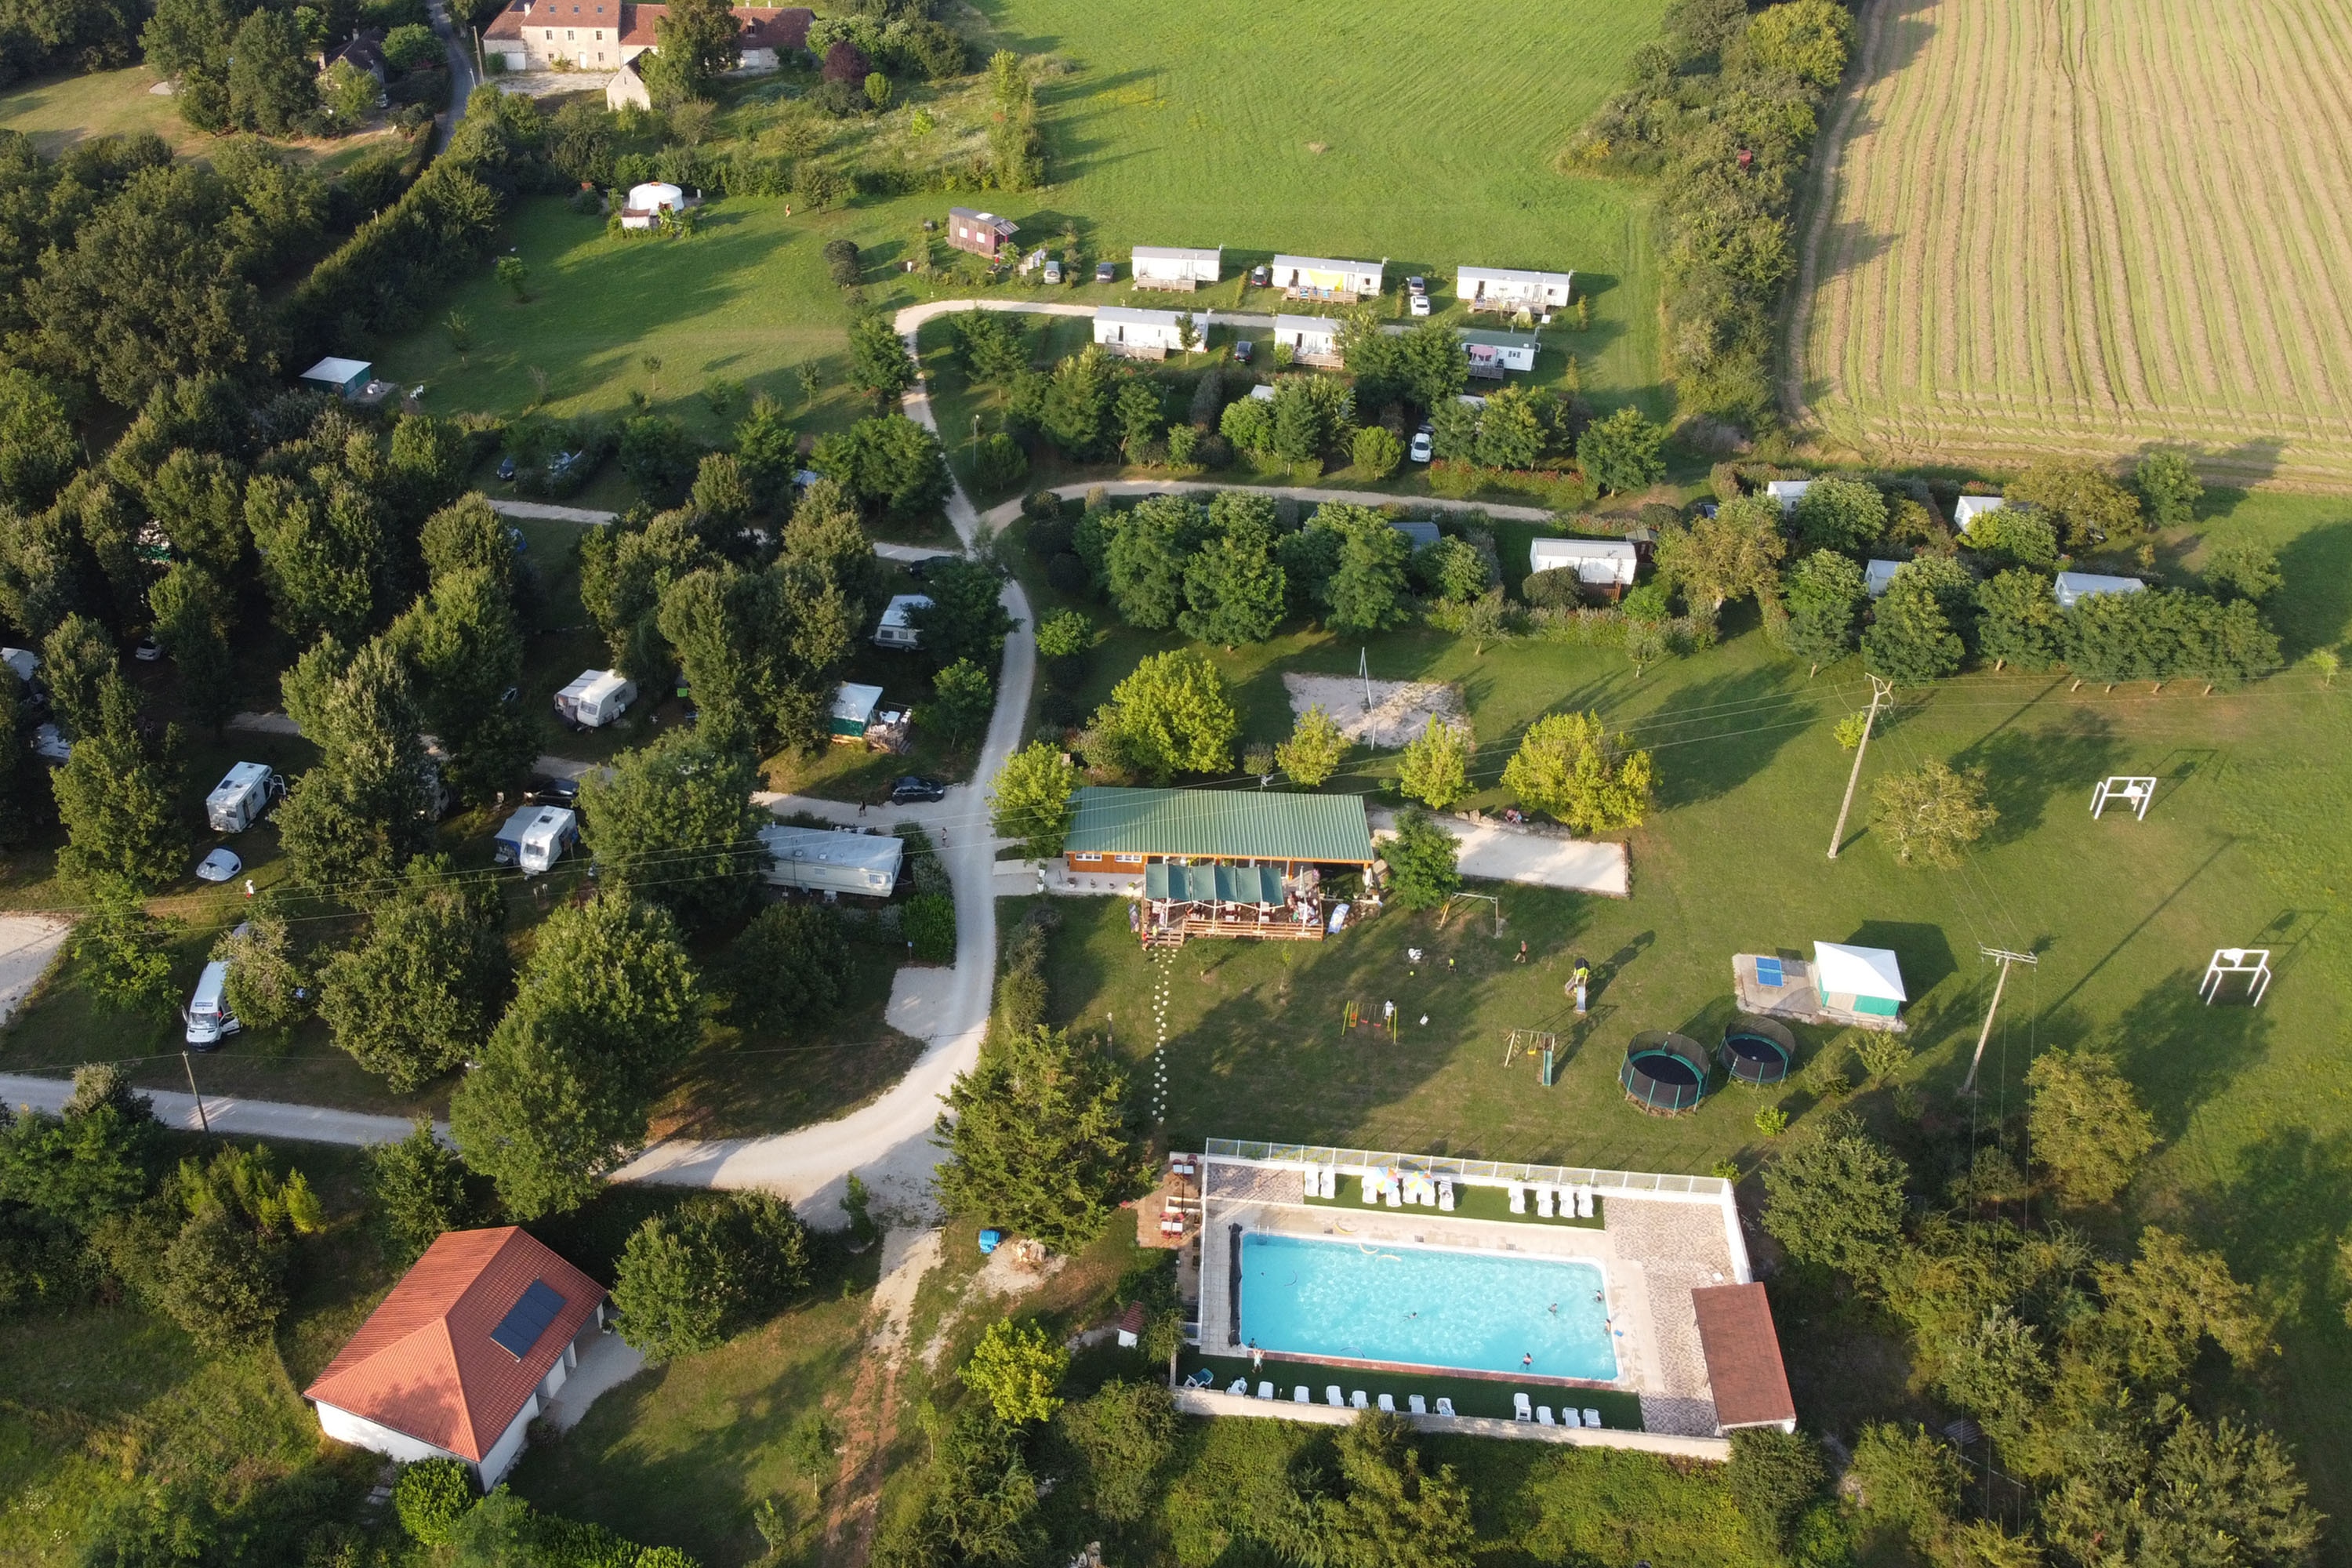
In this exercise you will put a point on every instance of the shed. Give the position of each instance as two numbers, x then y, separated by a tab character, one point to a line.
1968	508
1174	267
982	234
1121	829
1144	334
1597	563
647	201
1311	339
1788	493
833	859
627	89
1325	277
467	1348
1492	354
898	628
1744	1369
852	710
348	376
1420	530
1865	980
1879	576
1508	288
2074	586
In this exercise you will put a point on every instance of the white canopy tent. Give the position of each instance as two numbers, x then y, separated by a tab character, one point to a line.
1859	979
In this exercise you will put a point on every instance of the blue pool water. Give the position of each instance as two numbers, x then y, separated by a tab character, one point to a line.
1425	1306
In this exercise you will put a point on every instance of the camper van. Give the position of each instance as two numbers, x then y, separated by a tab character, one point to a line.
596	698
238	801
209	1019
536	837
897	628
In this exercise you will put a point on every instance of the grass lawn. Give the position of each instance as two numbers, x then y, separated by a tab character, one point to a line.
1234	126
2246	844
58	111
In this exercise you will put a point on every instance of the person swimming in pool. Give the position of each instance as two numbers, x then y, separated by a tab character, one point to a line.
1527	1360
1554	1309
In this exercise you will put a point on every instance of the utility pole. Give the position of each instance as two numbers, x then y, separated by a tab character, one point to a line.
2006	958
202	1120
1879	691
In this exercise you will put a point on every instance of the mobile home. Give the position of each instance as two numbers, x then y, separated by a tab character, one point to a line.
1322	277
238	801
1507	288
1604	565
1144	334
2072	585
536	837
1787	493
1311	339
1175	266
852	710
897	628
833	860
596	698
1971	508
1492	354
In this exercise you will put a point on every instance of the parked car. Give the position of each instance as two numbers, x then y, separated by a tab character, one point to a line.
219	867
1424	440
1241	350
49	745
1420	306
1418	286
506	468
1260	276
148	651
546	789
910	790
916	569
1052	270
1106	272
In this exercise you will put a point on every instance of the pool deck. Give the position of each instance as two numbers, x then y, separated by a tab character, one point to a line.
1653	1253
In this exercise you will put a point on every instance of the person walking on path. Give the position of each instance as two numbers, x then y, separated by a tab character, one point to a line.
1523	953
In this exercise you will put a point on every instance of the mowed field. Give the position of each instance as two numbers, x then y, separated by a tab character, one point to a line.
2087	226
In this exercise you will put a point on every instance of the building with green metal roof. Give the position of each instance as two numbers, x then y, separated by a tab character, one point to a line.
1122	830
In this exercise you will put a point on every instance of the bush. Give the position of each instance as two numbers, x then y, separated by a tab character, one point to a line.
220	1283
1068	575
999	464
841	261
658	454
409	46
431	1496
930	926
1376	452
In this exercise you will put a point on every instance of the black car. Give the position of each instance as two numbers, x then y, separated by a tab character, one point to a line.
506	468
916	569
546	790
910	790
1105	272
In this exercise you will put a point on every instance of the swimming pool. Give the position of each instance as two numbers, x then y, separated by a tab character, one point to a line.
1426	1306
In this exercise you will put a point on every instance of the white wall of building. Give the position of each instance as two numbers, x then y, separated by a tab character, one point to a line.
361	1432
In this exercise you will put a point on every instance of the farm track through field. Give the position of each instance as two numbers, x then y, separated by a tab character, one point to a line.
2085	227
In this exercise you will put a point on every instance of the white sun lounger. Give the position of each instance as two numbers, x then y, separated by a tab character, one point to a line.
1543	1200
1240	1385
1445	1196
1331	1395
1568	1415
1418	1405
1396	1194
1518	1198
1266	1391
1357	1400
1591	1416
1444	1406
1298	1395
1543	1416
1388	1403
1520	1407
1372	1188
1584	1202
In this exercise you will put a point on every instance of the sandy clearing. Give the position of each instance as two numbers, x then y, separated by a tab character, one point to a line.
28	944
1400	709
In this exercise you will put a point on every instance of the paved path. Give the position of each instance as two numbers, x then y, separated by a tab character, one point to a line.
998	516
232	1114
462	79
27	944
543	512
1495	853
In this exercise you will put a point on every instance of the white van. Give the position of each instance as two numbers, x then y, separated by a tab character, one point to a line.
596	698
237	801
209	1019
897	628
536	837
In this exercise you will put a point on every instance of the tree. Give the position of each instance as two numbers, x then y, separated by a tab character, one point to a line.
1908	1481
1933	813
1825	597
271	86
998	463
1569	767
1422	862
37	450
360	814
1450	571
220	1283
2168	488
1386	1512
1454	431
841	265
1234	592
878	366
1367	586
1065	633
785	969
1172	714
891	462
767	452
1031	800
674	823
1313	751
124	957
1127	1432
1836	1199
2087	1126
962	698
1620	453
1309	413
1734	555
193	618
1841	514
466	535
607	1010
2243	566
1036	1137
1247	424
2018	619
325	550
466	645
2163	1305
1017	1368
1511	433
1435	768
1142	421
1145	561
119	797
422	989
990	346
1376	452
1773	1477
419	1191
697	42
966	618
689	1278
77	657
1912	641
430	1497
1806	39
265	988
721	490
2091	507
347	94
2014	536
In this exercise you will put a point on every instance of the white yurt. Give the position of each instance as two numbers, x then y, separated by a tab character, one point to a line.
648	200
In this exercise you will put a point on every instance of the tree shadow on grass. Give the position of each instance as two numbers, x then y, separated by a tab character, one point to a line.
2180	1052
2024	770
2278	1215
1721	733
2314	610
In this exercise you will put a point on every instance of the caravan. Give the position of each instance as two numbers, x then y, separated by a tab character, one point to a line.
238	801
596	698
536	837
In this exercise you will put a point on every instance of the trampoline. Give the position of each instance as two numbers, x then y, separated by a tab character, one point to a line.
1757	1051
1663	1072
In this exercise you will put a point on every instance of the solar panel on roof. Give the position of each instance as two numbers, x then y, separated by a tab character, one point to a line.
521	1328
1768	972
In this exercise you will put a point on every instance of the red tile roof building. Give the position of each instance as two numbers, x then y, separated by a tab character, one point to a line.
1743	1358
604	35
467	1348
